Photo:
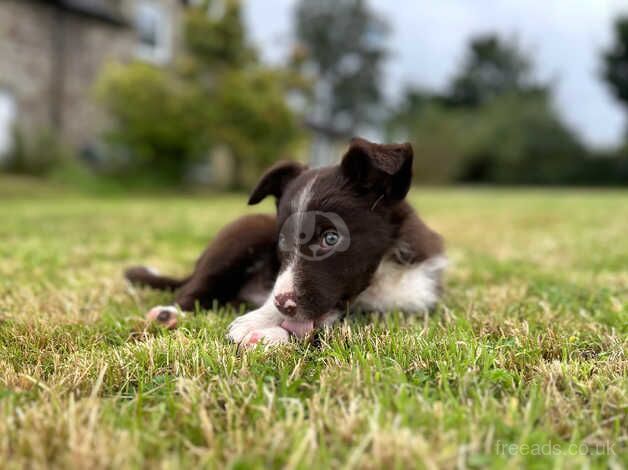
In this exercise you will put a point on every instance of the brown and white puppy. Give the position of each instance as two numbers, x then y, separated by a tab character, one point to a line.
344	237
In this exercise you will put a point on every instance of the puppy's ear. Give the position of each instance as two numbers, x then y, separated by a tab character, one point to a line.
275	180
384	169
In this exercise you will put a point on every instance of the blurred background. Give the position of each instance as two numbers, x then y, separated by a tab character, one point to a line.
121	94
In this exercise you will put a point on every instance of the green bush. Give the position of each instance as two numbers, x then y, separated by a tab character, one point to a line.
164	124
217	95
217	42
520	140
441	141
253	119
514	139
603	168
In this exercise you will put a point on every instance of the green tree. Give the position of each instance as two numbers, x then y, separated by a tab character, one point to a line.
515	139
492	67
217	40
251	113
616	62
519	138
495	124
217	93
160	121
252	118
341	45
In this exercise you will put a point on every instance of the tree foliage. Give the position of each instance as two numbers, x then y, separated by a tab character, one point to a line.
341	45
520	139
492	67
495	124
252	118
616	62
160	120
217	93
217	40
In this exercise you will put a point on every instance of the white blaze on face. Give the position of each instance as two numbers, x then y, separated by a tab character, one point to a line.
299	207
299	203
285	281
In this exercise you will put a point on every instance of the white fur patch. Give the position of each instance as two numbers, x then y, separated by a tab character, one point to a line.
285	281
152	270
409	288
267	316
299	204
268	336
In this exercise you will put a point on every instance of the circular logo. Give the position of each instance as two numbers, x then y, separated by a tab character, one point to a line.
314	235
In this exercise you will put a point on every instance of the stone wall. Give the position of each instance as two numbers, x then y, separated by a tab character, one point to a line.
50	60
26	59
88	46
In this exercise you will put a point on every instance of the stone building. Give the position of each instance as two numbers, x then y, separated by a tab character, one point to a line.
51	52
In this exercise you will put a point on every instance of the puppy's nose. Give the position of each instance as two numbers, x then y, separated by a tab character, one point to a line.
286	303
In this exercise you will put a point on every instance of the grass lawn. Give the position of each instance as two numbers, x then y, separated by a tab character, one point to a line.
524	364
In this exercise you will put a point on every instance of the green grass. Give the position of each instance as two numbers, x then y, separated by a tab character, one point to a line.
524	364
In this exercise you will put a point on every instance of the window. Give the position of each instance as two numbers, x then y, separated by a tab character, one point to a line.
8	115
154	33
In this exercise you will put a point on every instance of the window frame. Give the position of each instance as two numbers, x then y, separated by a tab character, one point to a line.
160	52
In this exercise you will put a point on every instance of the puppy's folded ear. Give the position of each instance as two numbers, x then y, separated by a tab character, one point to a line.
275	180
384	169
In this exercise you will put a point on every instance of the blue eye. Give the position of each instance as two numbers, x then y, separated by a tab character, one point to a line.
330	238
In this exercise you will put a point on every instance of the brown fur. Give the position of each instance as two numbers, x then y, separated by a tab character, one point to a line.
242	252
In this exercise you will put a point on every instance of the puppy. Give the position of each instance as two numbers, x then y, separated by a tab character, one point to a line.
344	237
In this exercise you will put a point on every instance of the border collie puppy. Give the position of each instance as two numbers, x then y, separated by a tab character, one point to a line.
344	237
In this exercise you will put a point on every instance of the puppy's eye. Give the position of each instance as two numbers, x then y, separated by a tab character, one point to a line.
330	238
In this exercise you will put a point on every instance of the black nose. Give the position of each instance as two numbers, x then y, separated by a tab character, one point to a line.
286	303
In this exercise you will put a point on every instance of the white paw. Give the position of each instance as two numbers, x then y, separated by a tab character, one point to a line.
152	270
246	324
268	336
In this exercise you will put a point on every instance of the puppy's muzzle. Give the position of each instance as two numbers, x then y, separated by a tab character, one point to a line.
286	303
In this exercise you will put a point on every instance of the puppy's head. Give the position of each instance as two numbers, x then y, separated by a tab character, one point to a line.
335	225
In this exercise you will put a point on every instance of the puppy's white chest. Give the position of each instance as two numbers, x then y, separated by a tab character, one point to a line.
408	288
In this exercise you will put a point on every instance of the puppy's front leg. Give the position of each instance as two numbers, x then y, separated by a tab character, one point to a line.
261	325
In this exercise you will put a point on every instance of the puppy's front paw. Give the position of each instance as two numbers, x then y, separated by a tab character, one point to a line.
243	326
167	316
268	336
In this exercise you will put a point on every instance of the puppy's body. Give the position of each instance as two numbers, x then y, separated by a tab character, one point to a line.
343	237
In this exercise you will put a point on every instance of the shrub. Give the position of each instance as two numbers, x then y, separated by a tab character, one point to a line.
162	122
514	139
441	141
253	119
520	140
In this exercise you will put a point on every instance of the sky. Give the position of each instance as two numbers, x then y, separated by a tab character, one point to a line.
429	37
